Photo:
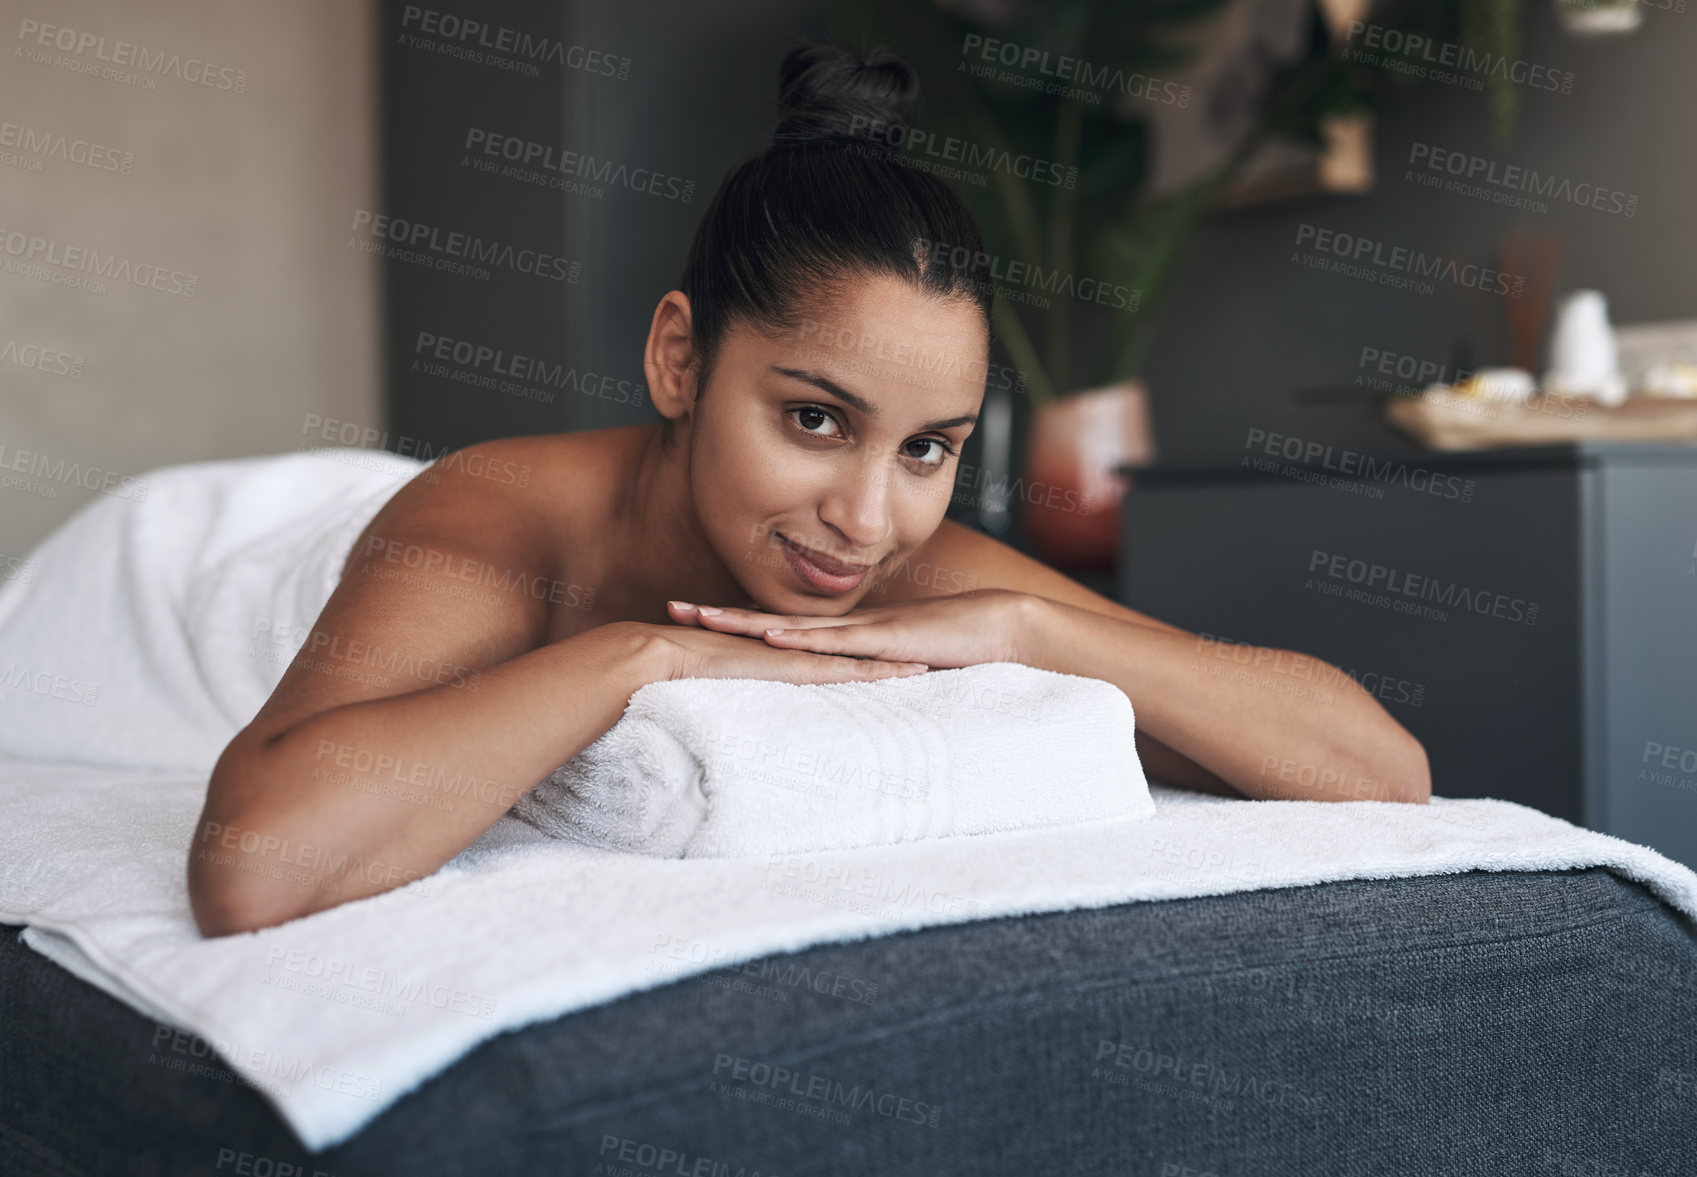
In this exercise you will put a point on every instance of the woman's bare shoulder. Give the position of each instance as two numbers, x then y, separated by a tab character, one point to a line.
532	509
542	480
515	502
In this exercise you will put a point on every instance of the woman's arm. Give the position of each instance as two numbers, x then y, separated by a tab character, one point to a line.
368	796
1292	728
1267	737
421	705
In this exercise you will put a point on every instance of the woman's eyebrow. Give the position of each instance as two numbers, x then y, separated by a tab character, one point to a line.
855	401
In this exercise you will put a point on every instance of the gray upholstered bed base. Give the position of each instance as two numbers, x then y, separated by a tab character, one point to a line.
1486	1023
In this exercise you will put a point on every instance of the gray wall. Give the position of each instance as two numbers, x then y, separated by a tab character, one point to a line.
1246	325
702	96
251	193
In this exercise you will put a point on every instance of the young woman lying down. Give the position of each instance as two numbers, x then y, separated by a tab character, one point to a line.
785	521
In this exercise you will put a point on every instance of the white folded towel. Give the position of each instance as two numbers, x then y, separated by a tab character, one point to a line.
728	768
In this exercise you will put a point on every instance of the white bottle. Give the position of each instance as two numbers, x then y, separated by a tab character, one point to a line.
1583	358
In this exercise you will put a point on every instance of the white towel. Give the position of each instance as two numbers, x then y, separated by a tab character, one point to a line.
336	1016
147	630
726	768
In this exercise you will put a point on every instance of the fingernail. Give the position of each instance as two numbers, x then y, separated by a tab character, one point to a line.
708	610
773	632
680	604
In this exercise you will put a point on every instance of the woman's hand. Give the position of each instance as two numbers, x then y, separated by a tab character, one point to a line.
699	653
988	625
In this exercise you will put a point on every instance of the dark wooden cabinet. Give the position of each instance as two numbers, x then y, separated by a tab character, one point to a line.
1529	614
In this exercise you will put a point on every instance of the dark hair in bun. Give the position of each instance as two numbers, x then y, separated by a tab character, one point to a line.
825	93
831	199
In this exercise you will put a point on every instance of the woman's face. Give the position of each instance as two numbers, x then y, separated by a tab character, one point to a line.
820	459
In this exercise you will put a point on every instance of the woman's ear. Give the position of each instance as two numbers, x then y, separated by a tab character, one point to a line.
669	358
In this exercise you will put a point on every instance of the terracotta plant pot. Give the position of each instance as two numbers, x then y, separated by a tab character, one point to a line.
1071	495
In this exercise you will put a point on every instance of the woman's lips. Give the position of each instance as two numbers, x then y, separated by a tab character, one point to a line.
820	571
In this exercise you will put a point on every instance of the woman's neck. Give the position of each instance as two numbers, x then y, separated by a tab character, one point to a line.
656	545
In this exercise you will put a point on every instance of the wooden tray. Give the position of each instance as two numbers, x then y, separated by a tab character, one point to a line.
1444	422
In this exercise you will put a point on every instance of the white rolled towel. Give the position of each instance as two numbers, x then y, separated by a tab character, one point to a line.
725	768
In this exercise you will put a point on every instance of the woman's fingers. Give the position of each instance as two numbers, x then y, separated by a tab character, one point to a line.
752	623
854	641
828	668
683	612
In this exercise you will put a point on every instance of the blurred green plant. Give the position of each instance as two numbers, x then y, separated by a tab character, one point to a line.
1106	226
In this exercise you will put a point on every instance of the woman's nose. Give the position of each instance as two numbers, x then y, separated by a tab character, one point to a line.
859	509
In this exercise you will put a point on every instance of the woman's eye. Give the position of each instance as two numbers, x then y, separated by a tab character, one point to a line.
816	422
810	419
938	452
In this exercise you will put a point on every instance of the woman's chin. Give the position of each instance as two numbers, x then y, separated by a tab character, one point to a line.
799	602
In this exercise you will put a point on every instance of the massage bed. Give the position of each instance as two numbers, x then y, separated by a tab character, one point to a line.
1488	1022
1190	985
